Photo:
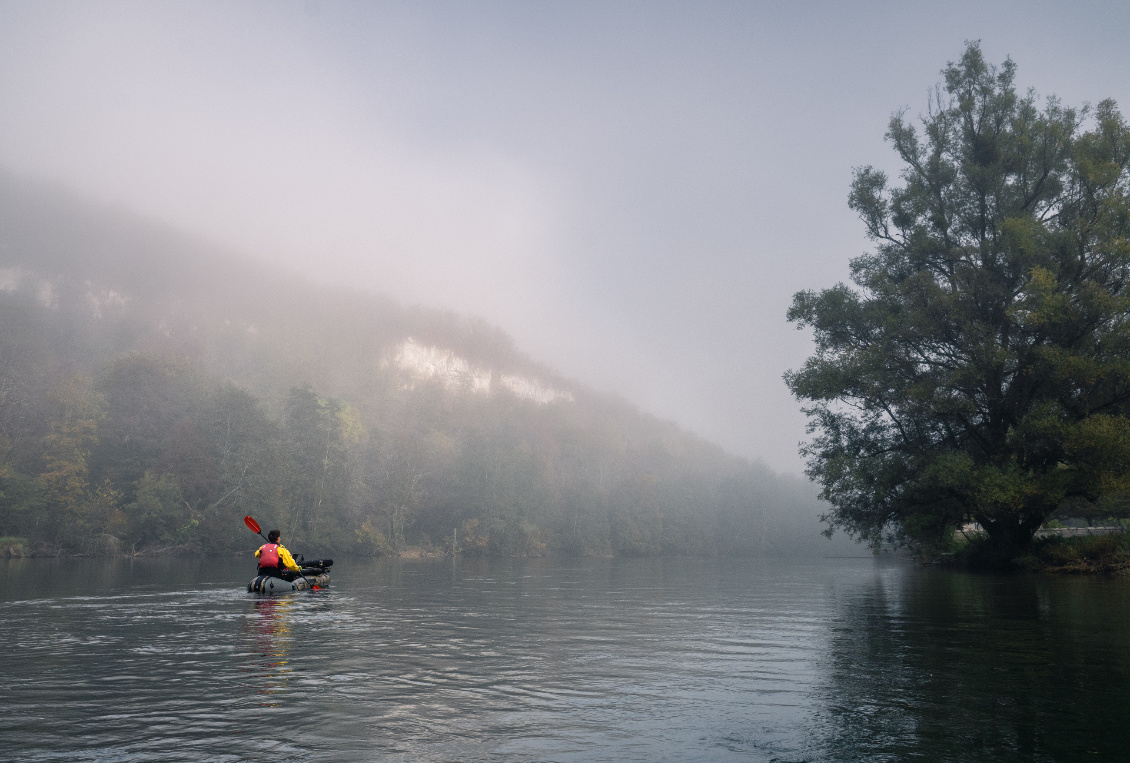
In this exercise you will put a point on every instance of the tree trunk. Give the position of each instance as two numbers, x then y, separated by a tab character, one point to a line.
1010	537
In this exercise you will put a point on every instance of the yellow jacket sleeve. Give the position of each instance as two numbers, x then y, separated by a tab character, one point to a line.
257	552
287	559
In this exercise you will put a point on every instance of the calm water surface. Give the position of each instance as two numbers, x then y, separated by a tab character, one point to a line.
651	659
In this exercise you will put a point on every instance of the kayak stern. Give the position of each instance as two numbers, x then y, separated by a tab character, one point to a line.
270	585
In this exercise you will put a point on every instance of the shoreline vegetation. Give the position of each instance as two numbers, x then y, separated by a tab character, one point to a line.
21	548
1105	551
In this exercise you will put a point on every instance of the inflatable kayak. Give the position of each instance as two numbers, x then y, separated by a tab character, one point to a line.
315	573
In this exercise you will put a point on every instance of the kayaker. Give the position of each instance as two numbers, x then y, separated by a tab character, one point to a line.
274	558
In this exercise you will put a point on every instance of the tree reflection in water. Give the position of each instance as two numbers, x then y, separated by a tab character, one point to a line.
934	665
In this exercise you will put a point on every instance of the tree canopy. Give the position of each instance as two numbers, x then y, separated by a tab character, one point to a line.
979	369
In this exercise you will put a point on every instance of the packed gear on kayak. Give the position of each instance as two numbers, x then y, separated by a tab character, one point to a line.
315	575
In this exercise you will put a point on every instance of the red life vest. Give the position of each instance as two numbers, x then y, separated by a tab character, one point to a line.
269	555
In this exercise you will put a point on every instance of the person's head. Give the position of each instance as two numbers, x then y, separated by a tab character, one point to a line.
273	536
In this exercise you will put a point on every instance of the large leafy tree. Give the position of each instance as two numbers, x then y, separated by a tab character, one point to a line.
980	366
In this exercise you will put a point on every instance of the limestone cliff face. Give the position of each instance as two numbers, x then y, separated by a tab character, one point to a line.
458	374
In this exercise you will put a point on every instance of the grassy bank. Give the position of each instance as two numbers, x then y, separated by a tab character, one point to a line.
1091	555
1084	555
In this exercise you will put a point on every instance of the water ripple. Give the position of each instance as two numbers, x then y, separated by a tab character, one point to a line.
569	661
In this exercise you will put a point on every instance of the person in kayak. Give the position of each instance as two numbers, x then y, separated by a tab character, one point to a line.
274	559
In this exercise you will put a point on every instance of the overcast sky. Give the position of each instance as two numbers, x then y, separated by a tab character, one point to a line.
634	191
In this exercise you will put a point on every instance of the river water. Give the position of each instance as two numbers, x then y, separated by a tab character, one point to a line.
561	660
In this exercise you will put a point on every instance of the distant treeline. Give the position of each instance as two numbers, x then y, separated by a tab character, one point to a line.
152	394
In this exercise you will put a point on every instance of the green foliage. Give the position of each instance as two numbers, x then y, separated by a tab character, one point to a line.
11	547
244	443
156	514
636	521
369	541
76	411
320	434
472	541
981	367
23	504
1105	554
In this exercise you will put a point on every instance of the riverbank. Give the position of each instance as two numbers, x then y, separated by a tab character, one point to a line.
109	548
1087	555
13	548
21	548
1106	554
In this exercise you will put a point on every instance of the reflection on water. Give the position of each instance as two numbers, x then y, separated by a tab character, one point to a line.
650	659
964	667
269	631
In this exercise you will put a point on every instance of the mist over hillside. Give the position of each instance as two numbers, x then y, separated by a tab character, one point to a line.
155	388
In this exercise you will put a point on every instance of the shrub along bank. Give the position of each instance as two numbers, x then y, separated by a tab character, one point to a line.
1106	554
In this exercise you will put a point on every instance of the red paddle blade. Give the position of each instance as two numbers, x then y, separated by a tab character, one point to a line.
315	588
252	525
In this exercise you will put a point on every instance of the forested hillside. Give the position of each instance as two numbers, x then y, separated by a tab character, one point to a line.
155	388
